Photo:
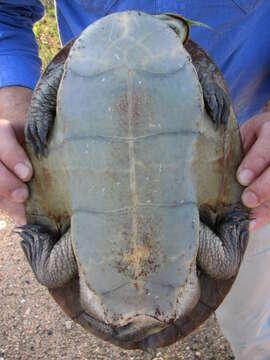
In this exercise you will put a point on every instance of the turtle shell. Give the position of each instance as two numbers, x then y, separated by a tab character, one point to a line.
133	158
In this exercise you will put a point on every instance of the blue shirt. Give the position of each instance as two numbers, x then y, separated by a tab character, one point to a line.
239	41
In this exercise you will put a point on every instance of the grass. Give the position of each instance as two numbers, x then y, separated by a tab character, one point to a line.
47	35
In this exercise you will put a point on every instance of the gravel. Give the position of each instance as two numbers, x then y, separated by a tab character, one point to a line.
32	326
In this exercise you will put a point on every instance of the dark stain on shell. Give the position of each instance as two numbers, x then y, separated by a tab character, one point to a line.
141	256
135	107
46	177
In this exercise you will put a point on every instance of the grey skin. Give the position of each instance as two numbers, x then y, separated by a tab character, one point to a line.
213	225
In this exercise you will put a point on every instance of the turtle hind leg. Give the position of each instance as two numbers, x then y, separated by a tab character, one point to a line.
215	92
221	249
53	262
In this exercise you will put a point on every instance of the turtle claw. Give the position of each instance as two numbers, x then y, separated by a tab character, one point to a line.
27	244
50	257
233	215
42	112
36	133
217	103
216	98
36	245
235	221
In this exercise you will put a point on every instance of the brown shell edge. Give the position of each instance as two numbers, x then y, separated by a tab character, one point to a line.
36	209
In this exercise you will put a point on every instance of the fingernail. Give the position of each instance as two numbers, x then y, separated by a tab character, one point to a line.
19	195
250	199
245	177
252	225
22	171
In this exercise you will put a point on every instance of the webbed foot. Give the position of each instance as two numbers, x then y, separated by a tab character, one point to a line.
50	257
232	227
217	102
215	92
42	111
221	248
41	116
36	245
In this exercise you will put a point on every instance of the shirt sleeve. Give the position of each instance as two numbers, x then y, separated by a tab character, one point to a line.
19	61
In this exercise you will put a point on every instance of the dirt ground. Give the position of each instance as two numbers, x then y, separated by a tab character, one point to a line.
33	327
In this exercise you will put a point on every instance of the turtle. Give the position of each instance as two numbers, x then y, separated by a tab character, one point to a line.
134	221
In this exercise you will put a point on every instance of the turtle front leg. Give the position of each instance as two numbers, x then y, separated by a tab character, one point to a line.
220	252
215	93
53	262
40	120
42	112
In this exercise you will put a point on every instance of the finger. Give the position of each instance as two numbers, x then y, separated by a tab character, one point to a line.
251	128
258	192
257	159
11	187
260	216
248	134
12	154
13	210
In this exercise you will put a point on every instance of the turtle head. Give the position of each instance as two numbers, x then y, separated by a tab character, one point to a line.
180	24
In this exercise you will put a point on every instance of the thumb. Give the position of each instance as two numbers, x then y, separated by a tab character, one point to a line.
12	154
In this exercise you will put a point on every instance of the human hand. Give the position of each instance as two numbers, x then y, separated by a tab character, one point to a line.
15	168
254	171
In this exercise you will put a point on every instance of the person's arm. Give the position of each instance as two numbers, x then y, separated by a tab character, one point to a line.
19	60
254	171
19	72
